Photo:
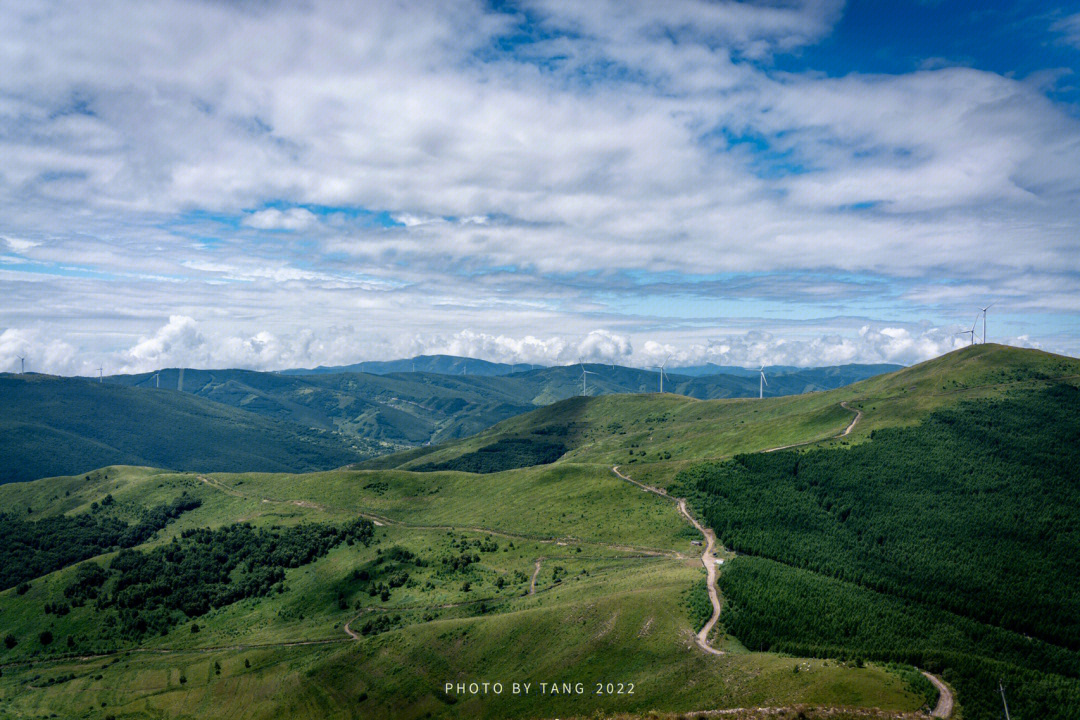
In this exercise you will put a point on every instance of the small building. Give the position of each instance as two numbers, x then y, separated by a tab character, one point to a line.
695	542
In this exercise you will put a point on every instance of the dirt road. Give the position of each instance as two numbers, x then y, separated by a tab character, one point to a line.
847	430
945	699
707	559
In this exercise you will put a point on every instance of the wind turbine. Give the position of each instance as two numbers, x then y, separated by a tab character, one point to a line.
1002	689
970	333
157	380
660	367
984	319
762	383
99	377
584	372
22	364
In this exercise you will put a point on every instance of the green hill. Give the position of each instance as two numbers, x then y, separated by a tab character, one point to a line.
55	426
941	531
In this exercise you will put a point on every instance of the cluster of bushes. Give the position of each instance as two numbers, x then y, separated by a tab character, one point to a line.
955	543
380	623
205	569
30	549
505	454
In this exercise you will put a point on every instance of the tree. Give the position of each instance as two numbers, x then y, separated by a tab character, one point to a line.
46	637
10	641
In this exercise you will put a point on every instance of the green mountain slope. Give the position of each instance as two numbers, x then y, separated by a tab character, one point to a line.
419	408
55	426
929	565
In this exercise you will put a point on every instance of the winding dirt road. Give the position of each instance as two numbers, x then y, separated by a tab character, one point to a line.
707	559
847	431
945	699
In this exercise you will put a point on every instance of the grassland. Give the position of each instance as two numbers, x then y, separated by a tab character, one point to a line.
611	612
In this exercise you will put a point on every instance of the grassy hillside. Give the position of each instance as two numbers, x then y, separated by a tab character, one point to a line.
445	591
659	435
55	426
611	566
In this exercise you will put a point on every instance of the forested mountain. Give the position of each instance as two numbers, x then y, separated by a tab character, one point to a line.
953	545
56	426
417	408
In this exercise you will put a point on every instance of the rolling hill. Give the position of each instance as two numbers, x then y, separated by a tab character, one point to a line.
940	530
54	426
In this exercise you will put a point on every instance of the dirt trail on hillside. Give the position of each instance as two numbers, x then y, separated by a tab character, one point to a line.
847	431
707	559
945	698
536	574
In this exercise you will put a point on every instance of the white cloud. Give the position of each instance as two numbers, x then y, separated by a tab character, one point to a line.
274	219
1069	29
142	140
20	245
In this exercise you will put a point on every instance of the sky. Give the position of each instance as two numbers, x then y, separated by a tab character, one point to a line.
270	185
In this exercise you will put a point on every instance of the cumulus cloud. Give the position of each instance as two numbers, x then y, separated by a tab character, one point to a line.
531	173
184	342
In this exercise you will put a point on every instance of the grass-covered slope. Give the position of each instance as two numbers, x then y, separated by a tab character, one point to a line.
953	544
58	426
442	594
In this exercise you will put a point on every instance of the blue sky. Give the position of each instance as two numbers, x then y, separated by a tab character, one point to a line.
270	185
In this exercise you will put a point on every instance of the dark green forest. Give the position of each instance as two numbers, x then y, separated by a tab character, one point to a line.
53	426
505	454
32	548
960	537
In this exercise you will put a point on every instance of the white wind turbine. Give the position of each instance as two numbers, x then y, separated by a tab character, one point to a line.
762	383
584	373
100	378
970	333
157	380
660	367
984	319
22	364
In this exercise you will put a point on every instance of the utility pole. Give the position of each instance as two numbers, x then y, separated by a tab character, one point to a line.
1003	700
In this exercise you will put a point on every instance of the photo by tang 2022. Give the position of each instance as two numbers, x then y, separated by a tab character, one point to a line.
532	359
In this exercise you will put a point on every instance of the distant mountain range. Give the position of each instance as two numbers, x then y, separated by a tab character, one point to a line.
457	365
181	418
441	364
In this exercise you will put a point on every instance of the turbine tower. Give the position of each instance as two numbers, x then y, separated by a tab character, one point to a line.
984	319
99	376
584	373
157	380
22	364
762	383
970	333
